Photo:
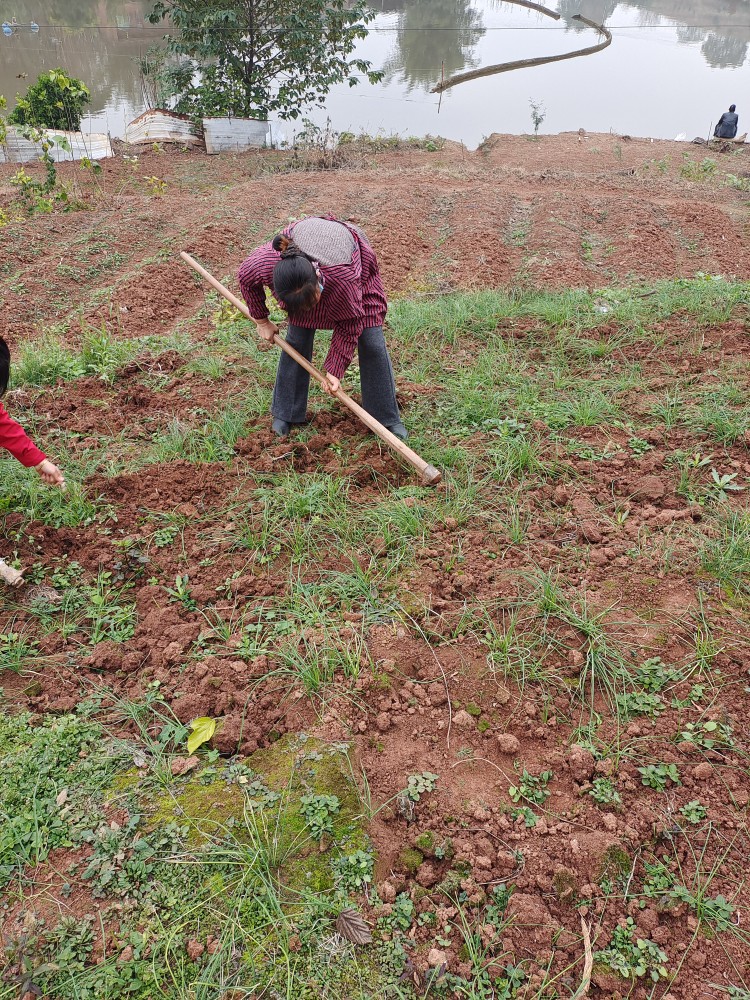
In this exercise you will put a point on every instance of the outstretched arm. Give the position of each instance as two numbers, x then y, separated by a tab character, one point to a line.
19	444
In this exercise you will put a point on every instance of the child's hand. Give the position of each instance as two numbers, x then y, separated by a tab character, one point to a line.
50	473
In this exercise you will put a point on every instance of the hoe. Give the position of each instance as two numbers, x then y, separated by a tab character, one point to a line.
429	474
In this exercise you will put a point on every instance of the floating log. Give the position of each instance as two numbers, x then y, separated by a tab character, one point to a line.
508	67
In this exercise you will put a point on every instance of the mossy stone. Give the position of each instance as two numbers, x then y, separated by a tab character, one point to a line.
615	862
425	842
431	847
565	884
410	859
451	884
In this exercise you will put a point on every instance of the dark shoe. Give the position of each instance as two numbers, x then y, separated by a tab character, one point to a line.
399	430
280	427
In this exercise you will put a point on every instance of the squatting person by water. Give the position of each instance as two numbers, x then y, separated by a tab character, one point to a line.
325	275
726	126
14	438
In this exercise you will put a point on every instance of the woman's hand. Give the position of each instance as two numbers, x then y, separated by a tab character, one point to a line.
331	384
50	474
267	329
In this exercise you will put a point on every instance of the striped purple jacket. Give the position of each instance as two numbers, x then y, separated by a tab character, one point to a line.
353	297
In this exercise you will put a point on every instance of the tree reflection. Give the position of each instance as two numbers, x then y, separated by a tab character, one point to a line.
719	26
98	41
431	33
705	22
78	13
595	10
720	50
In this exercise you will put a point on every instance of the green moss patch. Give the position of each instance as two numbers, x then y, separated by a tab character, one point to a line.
434	847
410	859
615	863
261	798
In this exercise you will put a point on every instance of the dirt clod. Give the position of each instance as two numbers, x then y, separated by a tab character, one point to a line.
581	763
463	720
181	765
703	771
648	488
194	950
507	743
383	722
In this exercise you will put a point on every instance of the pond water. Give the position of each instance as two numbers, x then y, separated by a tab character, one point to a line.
673	66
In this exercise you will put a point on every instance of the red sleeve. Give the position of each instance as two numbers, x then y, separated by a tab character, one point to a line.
19	444
346	333
255	274
345	308
374	301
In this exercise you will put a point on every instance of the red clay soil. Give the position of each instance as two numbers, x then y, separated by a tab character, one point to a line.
614	208
442	220
401	721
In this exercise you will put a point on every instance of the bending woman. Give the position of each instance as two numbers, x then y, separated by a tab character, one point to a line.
324	274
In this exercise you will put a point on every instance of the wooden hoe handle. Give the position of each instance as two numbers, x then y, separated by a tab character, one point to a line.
430	475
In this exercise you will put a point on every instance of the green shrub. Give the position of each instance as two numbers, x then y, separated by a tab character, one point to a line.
56	100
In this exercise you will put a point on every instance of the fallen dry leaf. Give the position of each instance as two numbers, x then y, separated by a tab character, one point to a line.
352	926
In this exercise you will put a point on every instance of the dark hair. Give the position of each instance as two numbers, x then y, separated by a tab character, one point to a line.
4	366
732	107
295	280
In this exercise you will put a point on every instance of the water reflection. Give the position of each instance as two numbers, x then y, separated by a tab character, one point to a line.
595	10
104	38
720	27
431	34
78	13
98	41
719	50
423	41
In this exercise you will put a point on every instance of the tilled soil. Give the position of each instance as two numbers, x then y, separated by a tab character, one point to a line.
560	211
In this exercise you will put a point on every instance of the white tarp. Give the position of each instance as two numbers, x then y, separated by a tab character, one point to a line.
276	136
231	135
91	145
157	125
